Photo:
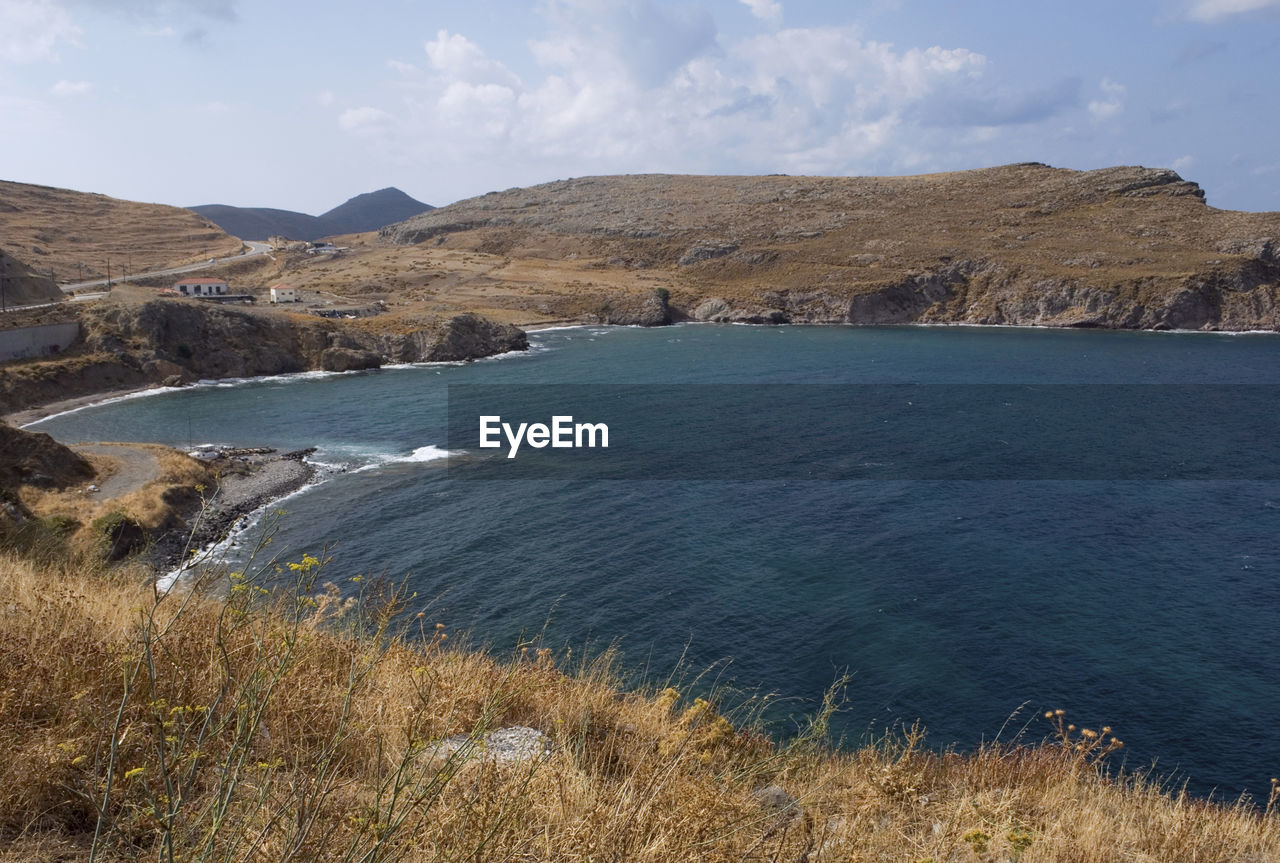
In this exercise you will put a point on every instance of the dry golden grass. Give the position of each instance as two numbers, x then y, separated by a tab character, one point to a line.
421	284
240	724
160	483
74	233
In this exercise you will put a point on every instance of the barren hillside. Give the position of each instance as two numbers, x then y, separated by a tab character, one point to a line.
1019	244
21	287
75	233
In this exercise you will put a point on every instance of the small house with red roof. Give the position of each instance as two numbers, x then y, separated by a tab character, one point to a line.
283	293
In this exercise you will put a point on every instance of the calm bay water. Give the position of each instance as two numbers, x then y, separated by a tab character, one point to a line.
1152	606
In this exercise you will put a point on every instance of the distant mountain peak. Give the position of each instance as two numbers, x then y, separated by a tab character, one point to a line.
374	210
366	212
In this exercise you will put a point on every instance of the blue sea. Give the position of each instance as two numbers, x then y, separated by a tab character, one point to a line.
972	605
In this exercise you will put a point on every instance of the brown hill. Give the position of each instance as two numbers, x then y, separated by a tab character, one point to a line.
1020	244
32	458
21	287
73	234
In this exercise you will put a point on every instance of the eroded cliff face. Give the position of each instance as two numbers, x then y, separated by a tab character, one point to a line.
462	337
173	342
1236	295
197	340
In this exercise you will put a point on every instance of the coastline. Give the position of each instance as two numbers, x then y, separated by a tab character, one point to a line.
34	414
251	483
29	415
247	483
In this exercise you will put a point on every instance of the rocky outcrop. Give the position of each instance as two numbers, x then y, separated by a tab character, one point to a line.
632	310
348	360
513	745
462	337
706	252
32	458
467	337
172	342
1243	296
204	341
216	341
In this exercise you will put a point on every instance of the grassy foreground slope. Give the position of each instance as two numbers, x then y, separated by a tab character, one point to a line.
235	723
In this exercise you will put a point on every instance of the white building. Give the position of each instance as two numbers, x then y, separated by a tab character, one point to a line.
202	287
284	294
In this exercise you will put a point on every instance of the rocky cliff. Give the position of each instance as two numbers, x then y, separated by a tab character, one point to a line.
1027	244
179	341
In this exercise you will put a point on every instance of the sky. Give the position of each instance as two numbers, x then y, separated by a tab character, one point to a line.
300	106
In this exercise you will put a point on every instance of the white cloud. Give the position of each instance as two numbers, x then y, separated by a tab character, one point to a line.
820	100
459	59
765	10
30	30
1182	163
1212	10
71	88
364	120
636	42
1112	102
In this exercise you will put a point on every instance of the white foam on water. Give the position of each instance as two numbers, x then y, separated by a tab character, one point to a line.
140	394
427	453
203	383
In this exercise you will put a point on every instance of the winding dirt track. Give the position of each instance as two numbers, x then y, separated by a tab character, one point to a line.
135	467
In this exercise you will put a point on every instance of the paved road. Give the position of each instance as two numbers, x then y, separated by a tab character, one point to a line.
255	249
77	299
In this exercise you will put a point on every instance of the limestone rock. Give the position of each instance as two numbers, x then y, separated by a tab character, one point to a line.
713	309
512	745
348	359
470	336
628	310
774	797
706	252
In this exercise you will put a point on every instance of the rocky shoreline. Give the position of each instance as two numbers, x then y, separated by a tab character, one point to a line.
248	481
